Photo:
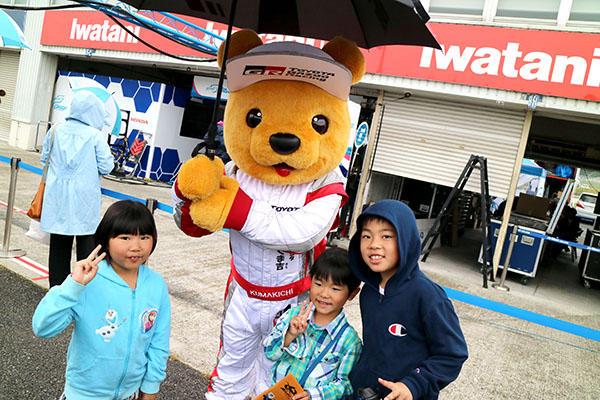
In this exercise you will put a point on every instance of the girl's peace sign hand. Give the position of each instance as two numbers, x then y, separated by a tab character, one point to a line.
85	270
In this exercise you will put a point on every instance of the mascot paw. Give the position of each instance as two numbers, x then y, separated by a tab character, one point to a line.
211	213
200	177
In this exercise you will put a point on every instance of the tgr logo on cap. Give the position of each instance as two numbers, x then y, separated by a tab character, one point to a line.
289	61
288	71
263	70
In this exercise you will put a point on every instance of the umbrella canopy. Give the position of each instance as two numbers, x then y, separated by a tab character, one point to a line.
367	23
10	33
112	120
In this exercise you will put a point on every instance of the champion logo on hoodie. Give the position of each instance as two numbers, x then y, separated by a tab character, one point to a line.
397	330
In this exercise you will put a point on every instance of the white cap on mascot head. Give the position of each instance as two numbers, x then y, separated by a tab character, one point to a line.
289	61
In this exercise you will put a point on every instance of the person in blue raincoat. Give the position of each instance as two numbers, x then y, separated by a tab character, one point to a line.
72	199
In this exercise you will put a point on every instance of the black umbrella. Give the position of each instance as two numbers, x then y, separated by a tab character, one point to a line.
368	23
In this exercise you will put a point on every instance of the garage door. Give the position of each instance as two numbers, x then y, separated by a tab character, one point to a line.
9	66
431	140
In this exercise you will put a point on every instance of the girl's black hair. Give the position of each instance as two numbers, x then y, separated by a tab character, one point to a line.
125	217
334	263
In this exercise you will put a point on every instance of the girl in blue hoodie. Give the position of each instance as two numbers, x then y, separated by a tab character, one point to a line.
121	312
413	344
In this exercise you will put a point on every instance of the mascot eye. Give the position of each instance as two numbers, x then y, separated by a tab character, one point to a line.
253	118
320	123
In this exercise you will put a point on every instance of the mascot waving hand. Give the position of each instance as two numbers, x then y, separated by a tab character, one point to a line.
286	129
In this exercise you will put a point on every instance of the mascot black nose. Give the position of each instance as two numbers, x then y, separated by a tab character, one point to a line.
284	143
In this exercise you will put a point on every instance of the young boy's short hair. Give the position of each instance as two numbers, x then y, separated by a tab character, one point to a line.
125	217
333	263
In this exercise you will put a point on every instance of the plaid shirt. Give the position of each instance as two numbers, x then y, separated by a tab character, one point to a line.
329	380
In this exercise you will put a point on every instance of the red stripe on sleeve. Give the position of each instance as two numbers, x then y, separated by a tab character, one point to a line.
178	192
187	224
333	188
239	211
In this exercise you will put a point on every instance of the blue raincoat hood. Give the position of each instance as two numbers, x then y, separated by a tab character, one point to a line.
409	245
87	109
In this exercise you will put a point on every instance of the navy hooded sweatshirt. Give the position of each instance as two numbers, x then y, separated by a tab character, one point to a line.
411	333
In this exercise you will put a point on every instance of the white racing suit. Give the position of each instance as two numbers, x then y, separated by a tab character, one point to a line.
275	233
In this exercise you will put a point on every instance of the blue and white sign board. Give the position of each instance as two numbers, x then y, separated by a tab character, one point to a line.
206	88
362	133
532	179
155	113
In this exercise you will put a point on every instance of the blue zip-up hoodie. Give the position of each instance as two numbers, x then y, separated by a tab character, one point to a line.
411	333
120	340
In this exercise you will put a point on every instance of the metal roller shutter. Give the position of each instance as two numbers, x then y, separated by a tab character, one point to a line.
9	66
432	140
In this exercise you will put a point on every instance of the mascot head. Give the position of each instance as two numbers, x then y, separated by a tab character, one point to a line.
287	119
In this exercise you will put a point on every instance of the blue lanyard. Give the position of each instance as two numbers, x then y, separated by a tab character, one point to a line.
313	364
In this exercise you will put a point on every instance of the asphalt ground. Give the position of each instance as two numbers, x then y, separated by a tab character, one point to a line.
510	357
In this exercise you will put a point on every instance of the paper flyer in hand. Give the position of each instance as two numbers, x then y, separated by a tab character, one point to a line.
285	389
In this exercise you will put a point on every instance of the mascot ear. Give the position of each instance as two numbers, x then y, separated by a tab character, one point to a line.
239	43
347	53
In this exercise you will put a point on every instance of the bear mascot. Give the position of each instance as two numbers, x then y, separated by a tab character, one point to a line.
286	129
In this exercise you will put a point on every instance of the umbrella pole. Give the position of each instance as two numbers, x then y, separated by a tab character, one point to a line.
212	129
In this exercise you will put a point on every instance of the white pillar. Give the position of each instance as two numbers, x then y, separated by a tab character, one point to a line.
510	196
155	133
365	172
564	11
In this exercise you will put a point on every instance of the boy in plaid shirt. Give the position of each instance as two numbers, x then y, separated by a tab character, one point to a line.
301	334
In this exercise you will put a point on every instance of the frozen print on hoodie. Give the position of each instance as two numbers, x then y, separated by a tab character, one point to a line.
109	330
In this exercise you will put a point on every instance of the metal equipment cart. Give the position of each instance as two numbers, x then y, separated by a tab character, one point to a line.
528	250
589	262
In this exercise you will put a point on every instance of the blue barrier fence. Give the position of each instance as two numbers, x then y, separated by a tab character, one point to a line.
106	192
557	240
467	298
526	315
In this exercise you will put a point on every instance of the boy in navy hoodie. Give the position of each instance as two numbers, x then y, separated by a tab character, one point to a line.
413	344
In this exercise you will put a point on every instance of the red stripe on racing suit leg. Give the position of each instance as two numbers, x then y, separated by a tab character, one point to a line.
271	293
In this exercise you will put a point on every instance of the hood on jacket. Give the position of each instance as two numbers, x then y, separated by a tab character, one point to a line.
87	109
409	244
